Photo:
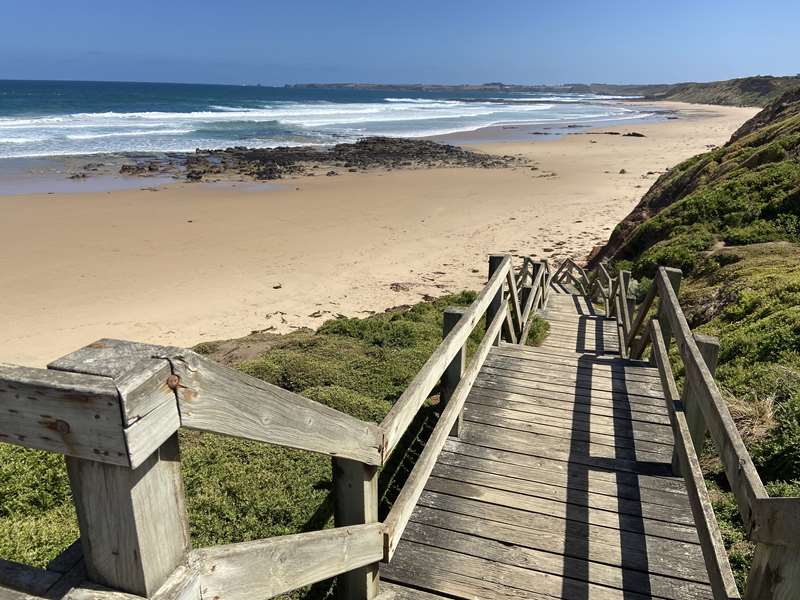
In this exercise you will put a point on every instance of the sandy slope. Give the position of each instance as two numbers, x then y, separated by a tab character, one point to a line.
195	262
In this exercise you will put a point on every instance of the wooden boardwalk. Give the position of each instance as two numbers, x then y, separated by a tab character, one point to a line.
559	484
568	470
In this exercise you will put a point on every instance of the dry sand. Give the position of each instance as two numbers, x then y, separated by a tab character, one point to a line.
196	262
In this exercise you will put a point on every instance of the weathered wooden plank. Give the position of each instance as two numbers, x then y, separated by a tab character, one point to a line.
531	407
533	583
266	568
577	434
478	543
595	366
620	328
513	303
777	521
520	441
600	459
561	424
134	527
561	537
739	468
438	576
622	485
774	573
629	407
69	413
711	542
627	415
693	413
567	495
403	506
24	578
405	409
585	377
219	399
182	584
392	591
564	405
621	522
147	434
633	394
601	470
452	374
641	314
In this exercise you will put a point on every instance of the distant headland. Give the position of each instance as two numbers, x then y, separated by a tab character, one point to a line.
758	90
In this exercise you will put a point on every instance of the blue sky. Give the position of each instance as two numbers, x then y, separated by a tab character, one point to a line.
248	41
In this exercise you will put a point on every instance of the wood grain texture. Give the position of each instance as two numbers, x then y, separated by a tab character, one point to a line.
138	370
777	521
219	399
775	573
134	526
70	413
265	568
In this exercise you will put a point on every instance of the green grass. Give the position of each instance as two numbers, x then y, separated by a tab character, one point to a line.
239	490
730	220
539	330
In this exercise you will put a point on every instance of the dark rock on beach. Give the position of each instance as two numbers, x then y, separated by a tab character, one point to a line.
275	163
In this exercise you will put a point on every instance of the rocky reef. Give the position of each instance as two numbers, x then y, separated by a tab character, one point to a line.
275	163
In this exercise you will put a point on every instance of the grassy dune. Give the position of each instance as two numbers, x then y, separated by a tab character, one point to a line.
730	219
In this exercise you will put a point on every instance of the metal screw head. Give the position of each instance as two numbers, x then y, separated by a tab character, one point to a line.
174	382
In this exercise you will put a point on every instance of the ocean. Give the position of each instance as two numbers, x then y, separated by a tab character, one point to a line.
54	118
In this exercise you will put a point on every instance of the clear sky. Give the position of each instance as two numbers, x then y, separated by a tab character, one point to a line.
398	41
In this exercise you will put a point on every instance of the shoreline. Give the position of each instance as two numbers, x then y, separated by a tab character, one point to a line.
110	171
189	262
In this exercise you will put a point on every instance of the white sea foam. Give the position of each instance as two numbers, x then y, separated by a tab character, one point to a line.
96	136
287	123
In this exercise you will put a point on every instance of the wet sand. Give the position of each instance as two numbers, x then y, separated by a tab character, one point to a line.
196	262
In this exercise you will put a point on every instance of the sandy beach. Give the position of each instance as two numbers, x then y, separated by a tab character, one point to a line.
196	262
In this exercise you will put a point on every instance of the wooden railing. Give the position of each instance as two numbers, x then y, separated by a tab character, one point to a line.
772	523
114	408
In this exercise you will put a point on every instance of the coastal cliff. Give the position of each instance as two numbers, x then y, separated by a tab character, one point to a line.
758	90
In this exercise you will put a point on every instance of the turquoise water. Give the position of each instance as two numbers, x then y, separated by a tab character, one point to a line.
49	118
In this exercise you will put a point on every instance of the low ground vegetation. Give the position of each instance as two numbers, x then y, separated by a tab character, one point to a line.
730	220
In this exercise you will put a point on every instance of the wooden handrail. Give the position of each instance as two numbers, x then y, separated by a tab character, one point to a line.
773	523
266	568
404	505
405	409
739	468
723	584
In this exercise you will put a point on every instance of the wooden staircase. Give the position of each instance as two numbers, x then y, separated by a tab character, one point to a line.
559	484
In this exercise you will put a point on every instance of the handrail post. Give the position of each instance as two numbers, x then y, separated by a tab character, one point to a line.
133	520
674	276
495	260
690	398
355	486
452	374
